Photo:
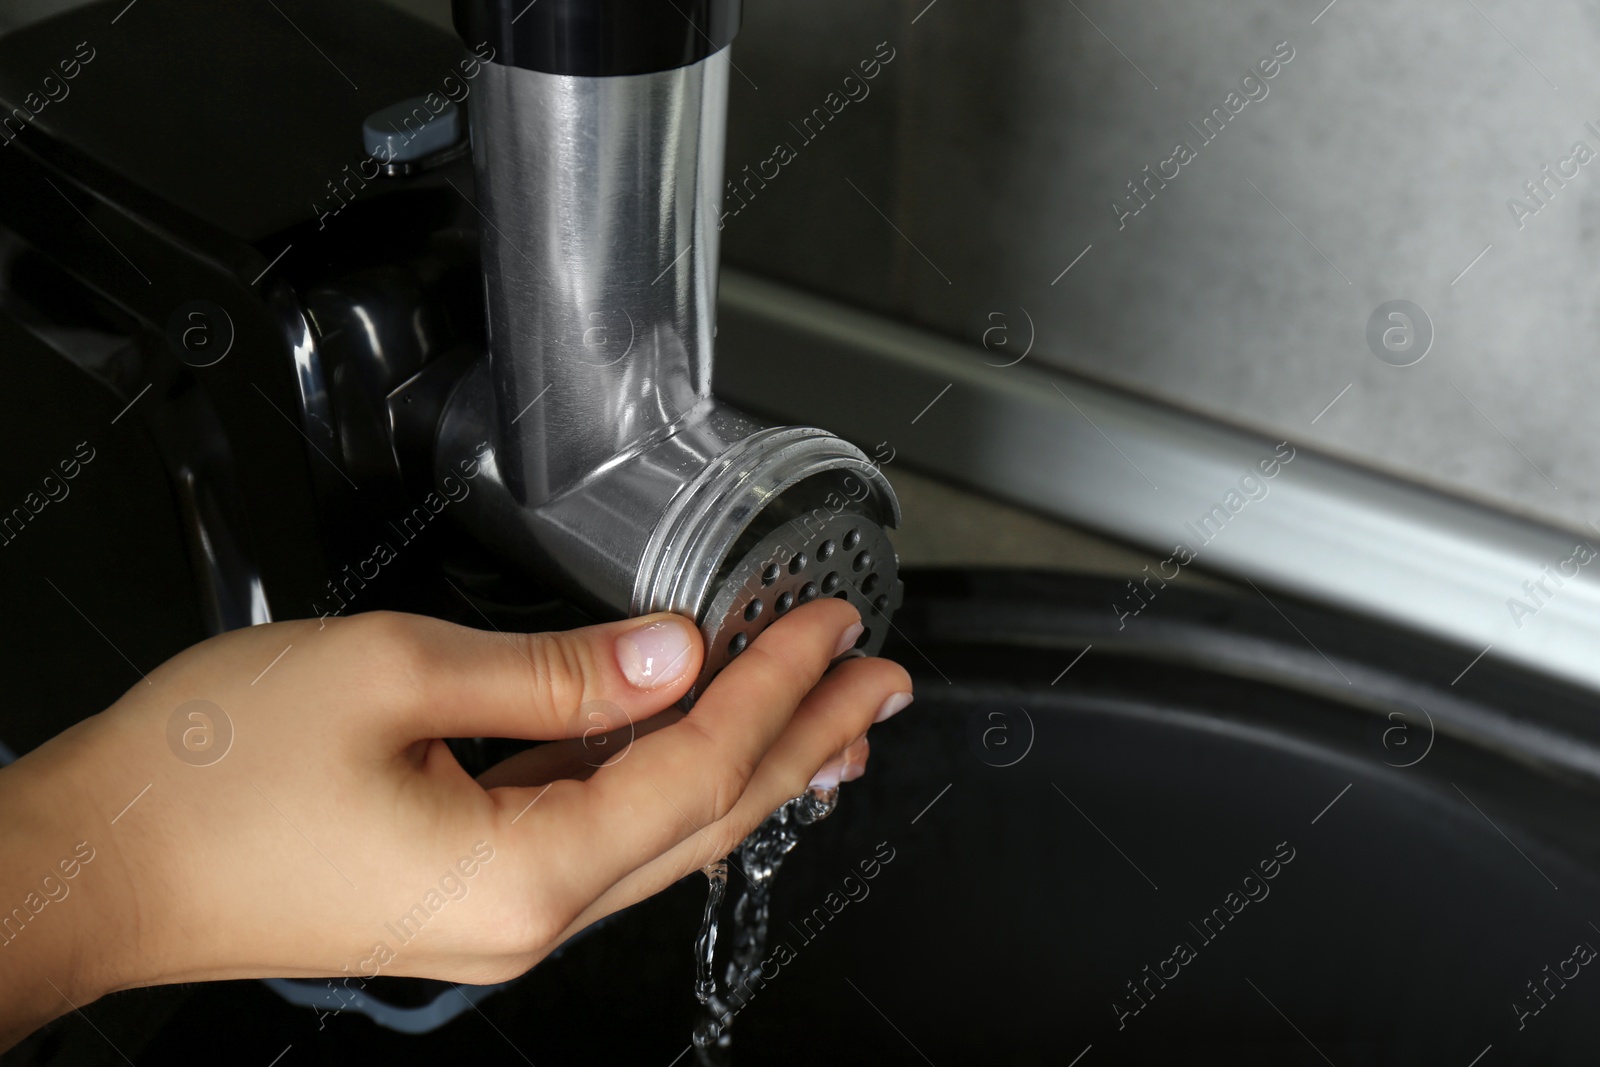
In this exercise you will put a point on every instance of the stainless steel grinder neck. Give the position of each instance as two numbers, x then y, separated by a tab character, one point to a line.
597	144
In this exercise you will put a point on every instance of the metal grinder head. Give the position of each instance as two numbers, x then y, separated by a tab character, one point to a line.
598	136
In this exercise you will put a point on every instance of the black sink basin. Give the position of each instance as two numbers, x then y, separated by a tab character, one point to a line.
1224	835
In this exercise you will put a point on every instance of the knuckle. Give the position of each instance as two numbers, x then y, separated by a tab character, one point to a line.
380	631
530	918
389	645
776	665
729	777
724	839
486	971
528	925
558	667
844	734
843	612
541	924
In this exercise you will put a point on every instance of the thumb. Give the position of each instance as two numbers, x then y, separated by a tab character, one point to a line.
476	683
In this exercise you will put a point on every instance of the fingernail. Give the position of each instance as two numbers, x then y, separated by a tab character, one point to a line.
893	706
829	776
855	761
847	640
654	655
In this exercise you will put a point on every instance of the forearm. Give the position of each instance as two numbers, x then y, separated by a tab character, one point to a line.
57	888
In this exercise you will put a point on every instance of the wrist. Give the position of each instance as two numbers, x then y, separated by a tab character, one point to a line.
64	896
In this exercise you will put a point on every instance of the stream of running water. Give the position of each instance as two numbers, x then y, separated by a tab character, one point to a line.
758	858
705	943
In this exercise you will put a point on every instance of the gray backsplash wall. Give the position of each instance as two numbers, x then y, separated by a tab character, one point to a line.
1375	165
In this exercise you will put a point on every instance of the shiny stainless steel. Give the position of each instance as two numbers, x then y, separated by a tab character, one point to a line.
610	464
703	522
651	530
600	261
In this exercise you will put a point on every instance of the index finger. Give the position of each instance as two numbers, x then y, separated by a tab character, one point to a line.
677	781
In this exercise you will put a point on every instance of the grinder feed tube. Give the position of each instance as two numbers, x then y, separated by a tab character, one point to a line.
598	175
597	142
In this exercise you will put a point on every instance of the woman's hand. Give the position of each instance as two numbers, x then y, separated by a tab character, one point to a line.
312	823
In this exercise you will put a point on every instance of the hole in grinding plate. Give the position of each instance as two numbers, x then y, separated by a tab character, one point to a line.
779	565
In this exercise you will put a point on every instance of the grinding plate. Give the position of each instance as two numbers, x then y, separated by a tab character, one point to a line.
843	555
